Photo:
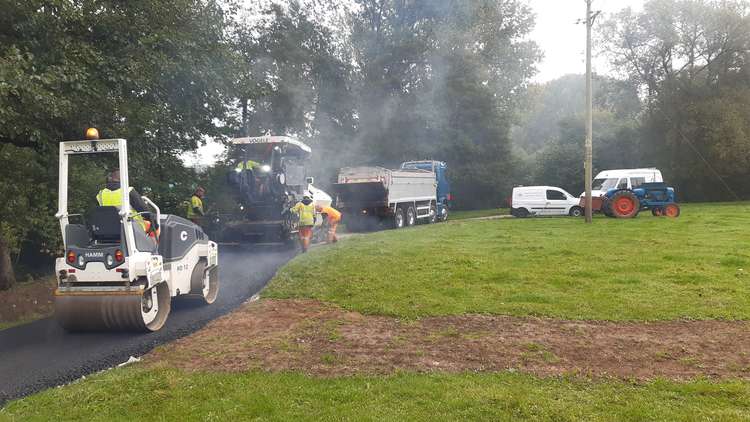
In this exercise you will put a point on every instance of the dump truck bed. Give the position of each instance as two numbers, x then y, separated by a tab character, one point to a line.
381	186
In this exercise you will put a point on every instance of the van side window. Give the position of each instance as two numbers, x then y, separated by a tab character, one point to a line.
637	181
623	184
555	195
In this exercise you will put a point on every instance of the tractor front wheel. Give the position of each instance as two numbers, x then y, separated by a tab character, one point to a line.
672	210
624	204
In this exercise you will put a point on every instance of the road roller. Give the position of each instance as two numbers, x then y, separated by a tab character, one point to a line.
116	276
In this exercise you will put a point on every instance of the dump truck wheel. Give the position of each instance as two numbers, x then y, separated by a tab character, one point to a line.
444	213
624	204
672	210
433	214
398	218
411	216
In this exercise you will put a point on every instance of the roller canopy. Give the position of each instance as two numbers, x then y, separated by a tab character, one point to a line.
261	145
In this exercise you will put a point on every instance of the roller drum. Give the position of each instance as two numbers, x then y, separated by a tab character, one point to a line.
112	311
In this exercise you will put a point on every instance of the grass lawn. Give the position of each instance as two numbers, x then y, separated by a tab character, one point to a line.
693	267
463	215
647	268
164	394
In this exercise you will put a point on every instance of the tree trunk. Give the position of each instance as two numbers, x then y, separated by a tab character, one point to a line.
7	276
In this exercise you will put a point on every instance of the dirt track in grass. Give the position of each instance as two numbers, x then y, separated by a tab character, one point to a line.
26	301
325	340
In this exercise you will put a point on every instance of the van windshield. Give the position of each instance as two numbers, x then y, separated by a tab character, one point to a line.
604	184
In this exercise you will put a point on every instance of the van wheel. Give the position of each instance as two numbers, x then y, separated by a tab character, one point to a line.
398	218
522	212
576	212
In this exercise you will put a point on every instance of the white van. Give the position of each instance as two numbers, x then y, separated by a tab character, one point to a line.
622	179
543	200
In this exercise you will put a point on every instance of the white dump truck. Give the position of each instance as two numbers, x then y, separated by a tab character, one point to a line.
372	196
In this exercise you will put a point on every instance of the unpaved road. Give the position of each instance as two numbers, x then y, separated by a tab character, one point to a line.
40	355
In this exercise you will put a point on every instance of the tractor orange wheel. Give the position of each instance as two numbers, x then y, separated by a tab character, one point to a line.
624	205
672	210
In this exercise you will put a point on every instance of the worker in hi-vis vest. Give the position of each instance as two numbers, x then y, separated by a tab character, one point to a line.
332	217
195	207
305	211
247	165
111	196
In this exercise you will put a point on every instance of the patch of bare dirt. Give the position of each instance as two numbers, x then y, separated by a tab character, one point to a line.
26	301
321	339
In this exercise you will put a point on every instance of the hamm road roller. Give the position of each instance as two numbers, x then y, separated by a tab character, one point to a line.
117	276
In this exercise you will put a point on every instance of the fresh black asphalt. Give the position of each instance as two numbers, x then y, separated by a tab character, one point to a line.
40	355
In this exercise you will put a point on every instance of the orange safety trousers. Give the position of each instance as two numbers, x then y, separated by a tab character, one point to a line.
305	236
332	232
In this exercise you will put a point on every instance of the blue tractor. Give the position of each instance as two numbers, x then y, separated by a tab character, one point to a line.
627	203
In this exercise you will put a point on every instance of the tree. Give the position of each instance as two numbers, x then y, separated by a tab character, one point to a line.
616	145
294	77
441	80
152	72
550	103
552	129
691	59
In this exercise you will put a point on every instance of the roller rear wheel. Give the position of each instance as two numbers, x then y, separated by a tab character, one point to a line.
204	283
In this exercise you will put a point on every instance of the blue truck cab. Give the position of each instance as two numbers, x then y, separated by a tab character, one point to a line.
440	169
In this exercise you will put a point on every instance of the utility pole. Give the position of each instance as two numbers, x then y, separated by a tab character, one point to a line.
587	163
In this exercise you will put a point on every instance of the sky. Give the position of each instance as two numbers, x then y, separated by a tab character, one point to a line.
562	40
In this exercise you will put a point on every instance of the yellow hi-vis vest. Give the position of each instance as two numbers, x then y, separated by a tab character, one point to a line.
113	198
306	213
248	165
195	202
